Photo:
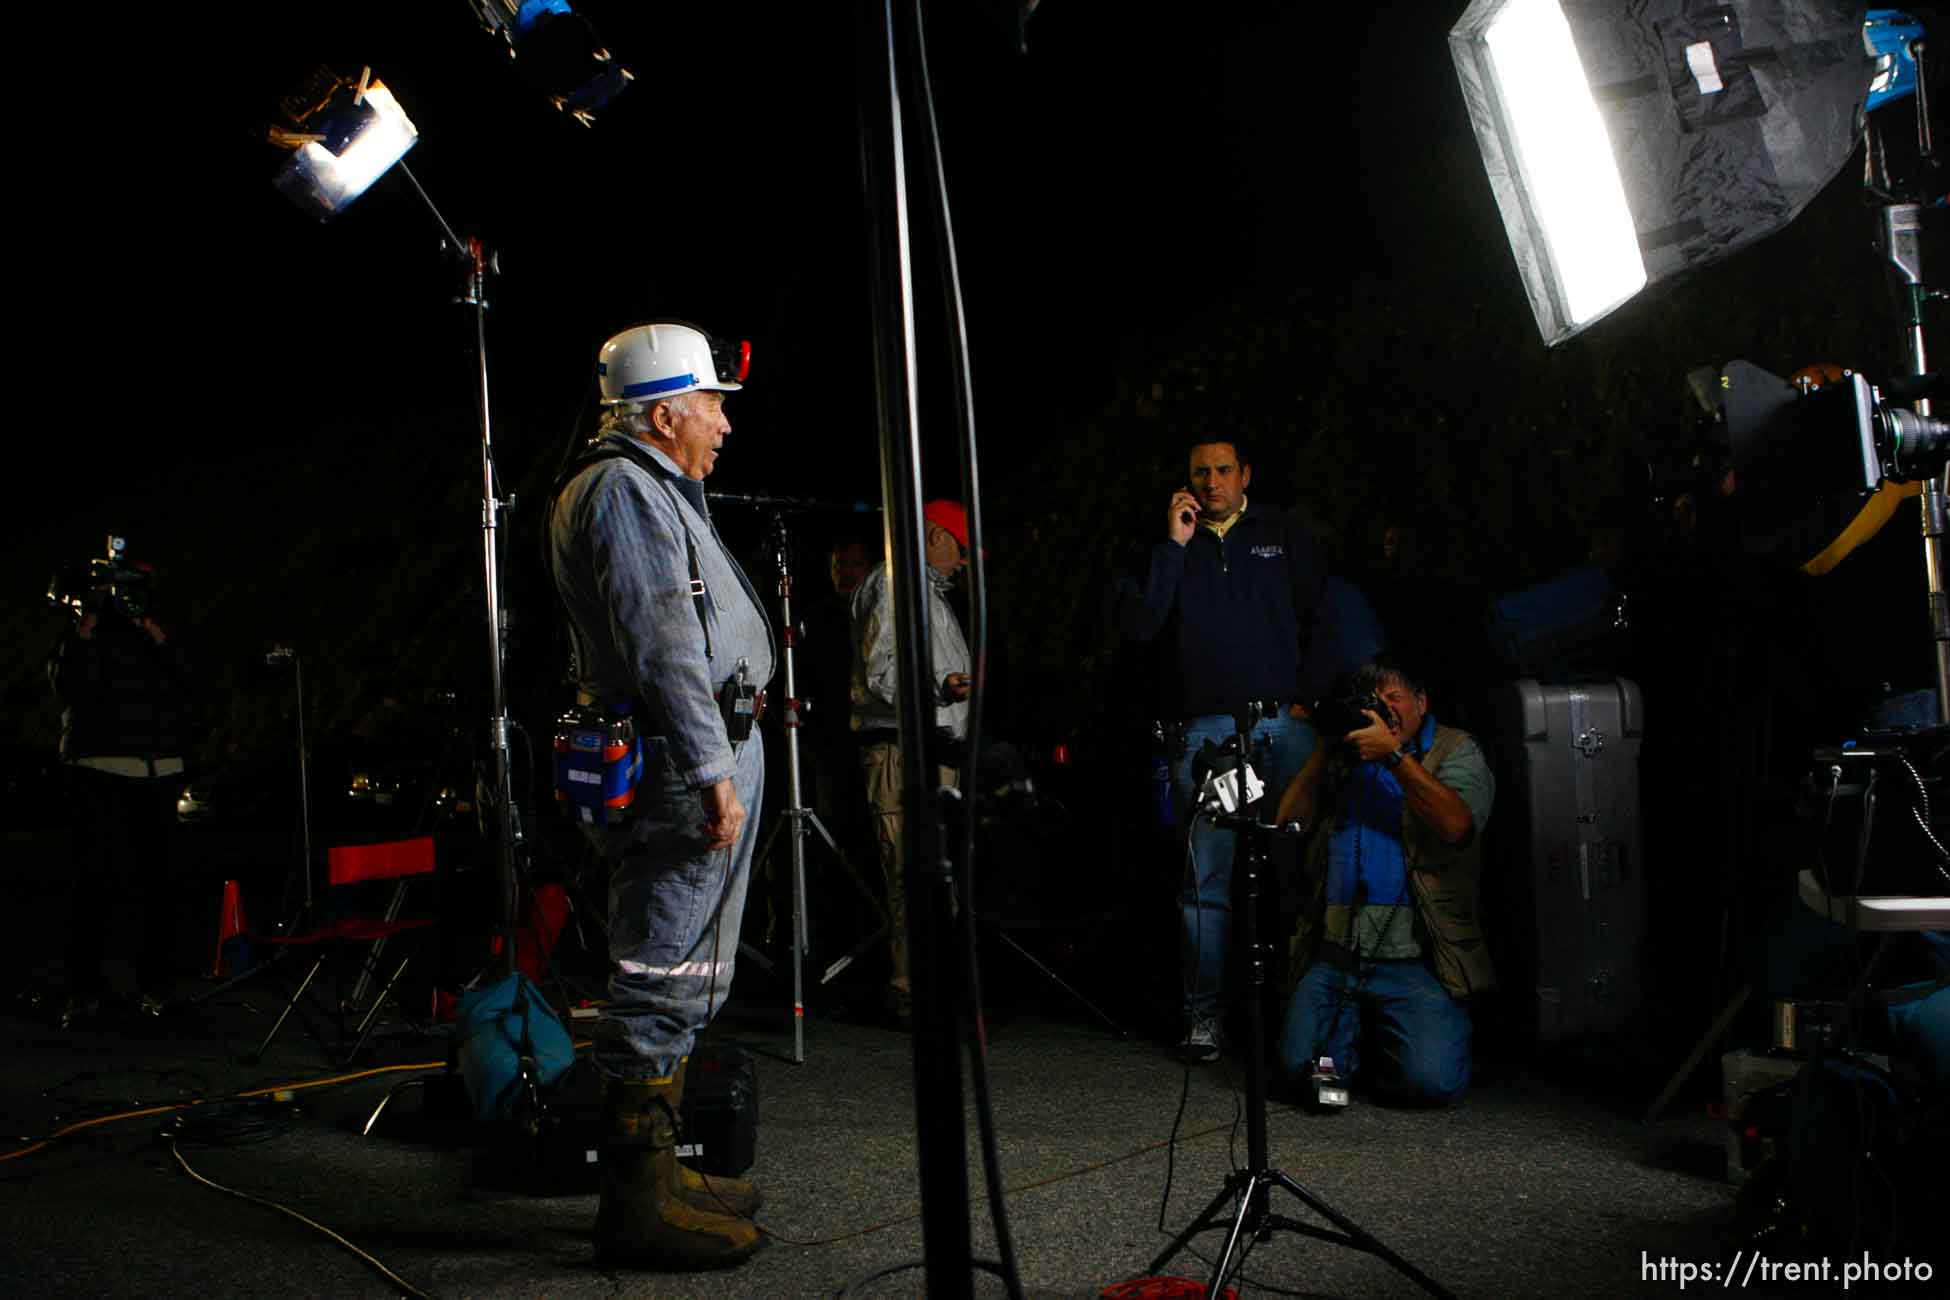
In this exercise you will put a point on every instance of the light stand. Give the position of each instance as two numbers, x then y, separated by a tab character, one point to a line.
1248	1187
795	819
345	133
940	1126
1899	240
475	262
283	654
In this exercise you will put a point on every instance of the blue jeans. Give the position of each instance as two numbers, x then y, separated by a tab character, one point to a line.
1388	1024
675	909
1920	1027
1281	747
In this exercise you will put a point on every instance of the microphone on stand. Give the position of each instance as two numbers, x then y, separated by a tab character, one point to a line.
766	501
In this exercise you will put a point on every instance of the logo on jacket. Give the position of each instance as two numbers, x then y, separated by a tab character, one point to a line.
1268	551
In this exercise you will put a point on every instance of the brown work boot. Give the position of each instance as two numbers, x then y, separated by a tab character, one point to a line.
716	1193
643	1219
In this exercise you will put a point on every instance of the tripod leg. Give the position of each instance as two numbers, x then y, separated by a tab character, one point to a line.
1357	1236
1686	1067
761	869
240	977
289	1006
1208	1217
372	1012
867	891
865	945
1247	1195
1057	980
874	900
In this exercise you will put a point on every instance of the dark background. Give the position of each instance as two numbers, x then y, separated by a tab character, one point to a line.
1268	221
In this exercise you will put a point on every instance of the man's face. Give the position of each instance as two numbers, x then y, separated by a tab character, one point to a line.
693	438
852	562
945	554
1409	707
1218	480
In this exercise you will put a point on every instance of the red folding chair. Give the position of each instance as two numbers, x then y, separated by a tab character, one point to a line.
353	939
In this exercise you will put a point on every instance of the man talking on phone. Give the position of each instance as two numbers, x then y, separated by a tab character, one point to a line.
1228	598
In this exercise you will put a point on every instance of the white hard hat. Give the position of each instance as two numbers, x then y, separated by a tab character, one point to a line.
668	358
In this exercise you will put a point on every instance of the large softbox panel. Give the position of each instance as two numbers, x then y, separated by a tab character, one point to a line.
1724	119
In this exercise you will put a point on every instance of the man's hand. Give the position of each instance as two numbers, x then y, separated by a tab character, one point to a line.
724	814
153	628
1181	516
1376	740
956	687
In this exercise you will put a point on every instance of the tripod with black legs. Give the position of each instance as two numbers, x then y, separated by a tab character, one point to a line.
1249	1189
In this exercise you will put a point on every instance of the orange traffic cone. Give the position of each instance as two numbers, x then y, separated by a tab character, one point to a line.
230	924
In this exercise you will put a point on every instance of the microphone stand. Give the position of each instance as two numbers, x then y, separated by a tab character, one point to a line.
1248	1187
765	500
795	819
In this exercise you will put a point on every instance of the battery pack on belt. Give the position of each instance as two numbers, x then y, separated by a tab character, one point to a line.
598	762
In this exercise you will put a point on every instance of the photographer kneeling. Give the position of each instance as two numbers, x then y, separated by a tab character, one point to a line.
1390	940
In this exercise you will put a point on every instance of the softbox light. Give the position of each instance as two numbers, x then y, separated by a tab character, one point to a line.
342	143
1626	143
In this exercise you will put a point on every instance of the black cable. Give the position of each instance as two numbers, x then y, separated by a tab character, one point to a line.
1171	1145
846	1288
231	1123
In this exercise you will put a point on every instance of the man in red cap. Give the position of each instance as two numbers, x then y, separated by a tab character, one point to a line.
876	718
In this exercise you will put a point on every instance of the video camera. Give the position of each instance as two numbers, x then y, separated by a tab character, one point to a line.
1797	444
107	582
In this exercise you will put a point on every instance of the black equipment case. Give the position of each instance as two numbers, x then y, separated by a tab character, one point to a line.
717	1124
720	1134
1568	839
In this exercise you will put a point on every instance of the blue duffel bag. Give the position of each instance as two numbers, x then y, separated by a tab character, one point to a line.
501	1024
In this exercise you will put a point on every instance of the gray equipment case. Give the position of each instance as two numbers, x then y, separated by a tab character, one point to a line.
1572	887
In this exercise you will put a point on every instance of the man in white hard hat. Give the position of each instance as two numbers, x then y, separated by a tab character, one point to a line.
666	629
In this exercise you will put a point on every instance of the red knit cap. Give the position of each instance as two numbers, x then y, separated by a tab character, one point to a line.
950	516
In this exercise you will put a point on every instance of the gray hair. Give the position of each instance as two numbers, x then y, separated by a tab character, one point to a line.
632	417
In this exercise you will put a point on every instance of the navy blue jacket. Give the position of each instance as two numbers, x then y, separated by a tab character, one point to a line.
122	695
1229	616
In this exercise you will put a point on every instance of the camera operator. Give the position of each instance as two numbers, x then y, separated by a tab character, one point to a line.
1391	941
876	718
1230	595
125	727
